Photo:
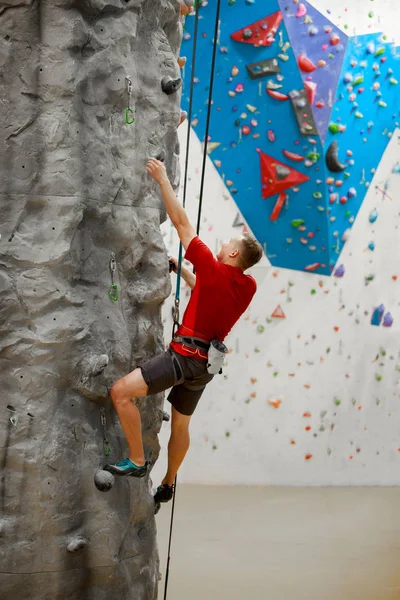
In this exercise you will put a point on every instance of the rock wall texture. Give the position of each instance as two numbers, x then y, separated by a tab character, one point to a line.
74	193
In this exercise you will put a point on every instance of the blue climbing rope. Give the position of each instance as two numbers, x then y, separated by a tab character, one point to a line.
203	170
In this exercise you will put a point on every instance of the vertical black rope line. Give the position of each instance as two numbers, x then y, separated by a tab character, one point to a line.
189	127
170	538
210	94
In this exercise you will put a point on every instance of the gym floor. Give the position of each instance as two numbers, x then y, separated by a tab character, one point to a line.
259	543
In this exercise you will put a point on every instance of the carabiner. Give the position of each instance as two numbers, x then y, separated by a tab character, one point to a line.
129	122
113	293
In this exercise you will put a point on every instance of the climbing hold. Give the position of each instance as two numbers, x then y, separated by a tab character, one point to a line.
282	172
182	61
379	51
301	10
239	88
311	90
339	272
263	68
277	95
371	246
211	146
76	544
166	416
373	215
312	30
332	159
377	315
260	33
303	112
297	223
104	480
170	86
277	177
305	64
388	320
278	313
278	206
312	267
352	193
348	78
293	156
334	39
271	135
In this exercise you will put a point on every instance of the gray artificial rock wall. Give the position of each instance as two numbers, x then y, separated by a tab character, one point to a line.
73	191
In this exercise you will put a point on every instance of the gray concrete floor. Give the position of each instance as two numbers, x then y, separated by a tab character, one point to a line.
256	543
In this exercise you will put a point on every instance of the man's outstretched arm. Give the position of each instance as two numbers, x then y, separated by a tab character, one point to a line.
175	210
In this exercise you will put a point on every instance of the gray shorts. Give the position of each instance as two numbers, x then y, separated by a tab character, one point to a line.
187	376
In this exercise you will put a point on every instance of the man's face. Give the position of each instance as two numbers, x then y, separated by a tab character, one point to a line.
227	248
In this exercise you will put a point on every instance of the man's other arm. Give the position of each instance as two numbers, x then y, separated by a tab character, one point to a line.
175	210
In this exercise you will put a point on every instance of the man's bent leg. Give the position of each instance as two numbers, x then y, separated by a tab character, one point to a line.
178	445
131	386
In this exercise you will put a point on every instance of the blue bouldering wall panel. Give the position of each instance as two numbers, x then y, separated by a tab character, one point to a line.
313	85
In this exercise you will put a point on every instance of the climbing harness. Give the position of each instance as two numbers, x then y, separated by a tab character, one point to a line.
129	111
106	446
179	270
113	293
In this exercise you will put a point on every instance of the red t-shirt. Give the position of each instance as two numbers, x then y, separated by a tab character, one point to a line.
221	295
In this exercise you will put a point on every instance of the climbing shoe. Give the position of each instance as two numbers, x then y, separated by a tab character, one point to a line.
127	467
164	493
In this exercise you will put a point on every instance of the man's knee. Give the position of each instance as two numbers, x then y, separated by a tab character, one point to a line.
118	394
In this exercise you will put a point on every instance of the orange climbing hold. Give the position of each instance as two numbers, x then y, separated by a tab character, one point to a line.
278	313
275	403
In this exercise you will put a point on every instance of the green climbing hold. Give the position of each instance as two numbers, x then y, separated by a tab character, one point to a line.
381	50
317	195
227	434
378	377
358	80
358	114
313	292
297	223
393	81
260	328
337	401
333	127
346	175
314	156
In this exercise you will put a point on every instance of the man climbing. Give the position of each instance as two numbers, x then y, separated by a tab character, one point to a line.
221	294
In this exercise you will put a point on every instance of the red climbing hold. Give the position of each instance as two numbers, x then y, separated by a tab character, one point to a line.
276	177
305	64
293	156
278	313
311	91
277	95
260	33
278	207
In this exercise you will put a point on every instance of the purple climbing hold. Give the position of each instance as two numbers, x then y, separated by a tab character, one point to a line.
339	272
388	320
377	315
352	192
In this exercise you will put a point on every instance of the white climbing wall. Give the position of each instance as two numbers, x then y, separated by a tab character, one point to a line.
313	398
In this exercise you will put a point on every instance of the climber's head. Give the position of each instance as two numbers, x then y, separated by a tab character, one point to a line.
242	251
